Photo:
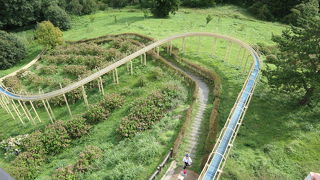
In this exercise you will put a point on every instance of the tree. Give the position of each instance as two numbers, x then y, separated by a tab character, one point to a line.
12	50
48	35
58	17
19	13
296	67
302	12
162	8
198	3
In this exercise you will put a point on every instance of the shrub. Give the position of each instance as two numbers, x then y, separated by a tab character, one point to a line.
118	3
208	18
75	70
142	81
87	157
162	8
55	138
13	145
112	101
77	127
27	165
74	7
58	17
157	73
12	50
51	69
74	95
64	173
89	6
34	144
13	82
112	53
48	35
95	114
145	112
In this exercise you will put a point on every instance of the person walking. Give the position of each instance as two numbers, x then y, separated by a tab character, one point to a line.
187	161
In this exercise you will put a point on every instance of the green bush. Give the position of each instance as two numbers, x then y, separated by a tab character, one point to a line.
162	8
157	73
55	137
77	127
83	164
48	35
12	50
112	101
13	82
34	144
142	82
27	165
49	70
145	112
117	3
58	17
75	70
95	114
87	157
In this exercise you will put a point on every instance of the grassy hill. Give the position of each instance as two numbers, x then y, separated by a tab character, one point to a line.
278	139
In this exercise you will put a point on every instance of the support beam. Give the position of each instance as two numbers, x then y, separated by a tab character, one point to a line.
85	96
34	109
226	57
183	45
116	74
16	110
141	59
8	109
131	66
65	99
158	51
101	85
24	110
28	111
45	106
170	49
214	46
49	107
145	59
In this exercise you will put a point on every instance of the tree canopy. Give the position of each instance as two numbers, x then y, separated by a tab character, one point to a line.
162	8
48	35
296	67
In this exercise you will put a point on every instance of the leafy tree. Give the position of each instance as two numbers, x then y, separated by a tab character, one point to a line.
296	67
19	13
12	50
88	6
118	3
162	8
58	17
74	7
198	3
302	12
48	35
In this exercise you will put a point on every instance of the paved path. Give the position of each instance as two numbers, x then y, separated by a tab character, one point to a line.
194	134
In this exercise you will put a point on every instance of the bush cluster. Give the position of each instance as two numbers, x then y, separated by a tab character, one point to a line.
75	70
12	50
38	145
83	164
145	112
95	114
112	101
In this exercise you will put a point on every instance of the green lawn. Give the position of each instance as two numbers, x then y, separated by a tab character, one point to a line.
277	140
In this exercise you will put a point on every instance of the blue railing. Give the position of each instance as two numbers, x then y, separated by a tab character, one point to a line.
234	120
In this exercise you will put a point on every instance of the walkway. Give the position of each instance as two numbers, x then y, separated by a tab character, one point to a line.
173	172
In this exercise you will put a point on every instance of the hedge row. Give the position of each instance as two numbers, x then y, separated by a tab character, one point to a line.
143	113
36	148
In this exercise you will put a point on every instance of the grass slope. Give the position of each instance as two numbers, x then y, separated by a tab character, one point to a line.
277	140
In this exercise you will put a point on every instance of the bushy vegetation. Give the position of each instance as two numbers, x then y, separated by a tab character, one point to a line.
83	164
145	112
58	17
12	50
295	68
48	35
162	8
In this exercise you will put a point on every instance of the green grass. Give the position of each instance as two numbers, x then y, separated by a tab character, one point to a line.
277	140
